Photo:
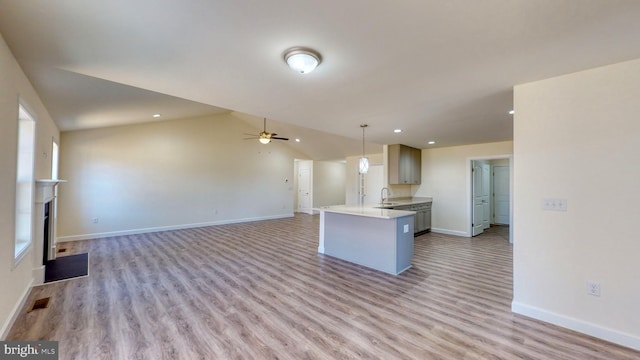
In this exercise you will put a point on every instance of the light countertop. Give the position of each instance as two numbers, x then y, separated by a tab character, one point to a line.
394	202
367	210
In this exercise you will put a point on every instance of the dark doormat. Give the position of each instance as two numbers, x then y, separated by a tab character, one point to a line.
67	267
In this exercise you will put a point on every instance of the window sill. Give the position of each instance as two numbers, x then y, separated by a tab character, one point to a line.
22	249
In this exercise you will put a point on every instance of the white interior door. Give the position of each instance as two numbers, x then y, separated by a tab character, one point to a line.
501	194
304	189
373	183
486	195
478	206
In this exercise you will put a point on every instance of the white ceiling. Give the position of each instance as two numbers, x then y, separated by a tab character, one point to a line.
440	70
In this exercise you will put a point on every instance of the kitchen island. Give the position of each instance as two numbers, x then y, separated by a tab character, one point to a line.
380	239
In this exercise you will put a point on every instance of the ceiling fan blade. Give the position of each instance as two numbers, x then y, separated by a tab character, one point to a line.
264	134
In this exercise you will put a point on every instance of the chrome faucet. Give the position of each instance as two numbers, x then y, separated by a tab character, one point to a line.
382	198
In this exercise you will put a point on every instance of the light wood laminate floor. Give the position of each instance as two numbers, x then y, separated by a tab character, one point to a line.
260	290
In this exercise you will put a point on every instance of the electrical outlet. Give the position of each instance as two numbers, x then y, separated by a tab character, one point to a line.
95	220
406	228
593	288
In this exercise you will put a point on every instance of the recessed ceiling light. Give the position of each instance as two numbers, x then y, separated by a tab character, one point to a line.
397	131
156	115
302	60
511	112
431	142
297	140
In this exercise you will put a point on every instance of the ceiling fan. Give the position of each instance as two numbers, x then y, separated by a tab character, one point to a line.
264	136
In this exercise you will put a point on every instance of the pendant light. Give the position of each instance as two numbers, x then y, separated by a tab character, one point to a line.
363	165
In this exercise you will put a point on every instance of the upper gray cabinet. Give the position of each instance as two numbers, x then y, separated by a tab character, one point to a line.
405	164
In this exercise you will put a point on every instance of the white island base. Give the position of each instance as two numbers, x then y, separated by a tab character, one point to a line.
376	238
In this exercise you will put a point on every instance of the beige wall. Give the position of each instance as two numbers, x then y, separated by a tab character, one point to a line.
15	87
170	174
329	179
577	137
446	177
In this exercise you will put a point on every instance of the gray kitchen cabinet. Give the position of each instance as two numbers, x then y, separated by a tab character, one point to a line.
422	218
405	165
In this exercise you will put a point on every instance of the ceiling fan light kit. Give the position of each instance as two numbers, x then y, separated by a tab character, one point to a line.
265	137
302	59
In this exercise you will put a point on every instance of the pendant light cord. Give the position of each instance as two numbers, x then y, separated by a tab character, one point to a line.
363	126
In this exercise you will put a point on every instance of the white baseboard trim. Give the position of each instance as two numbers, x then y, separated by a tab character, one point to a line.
578	325
6	327
450	232
38	275
168	228
309	211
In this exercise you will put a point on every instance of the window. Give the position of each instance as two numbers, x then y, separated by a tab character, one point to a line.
54	160
24	182
55	151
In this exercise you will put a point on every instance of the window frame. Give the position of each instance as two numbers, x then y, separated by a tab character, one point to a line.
25	183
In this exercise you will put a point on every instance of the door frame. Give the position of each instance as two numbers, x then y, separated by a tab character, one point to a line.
469	176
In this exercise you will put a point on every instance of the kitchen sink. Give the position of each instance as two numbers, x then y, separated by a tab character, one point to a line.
389	203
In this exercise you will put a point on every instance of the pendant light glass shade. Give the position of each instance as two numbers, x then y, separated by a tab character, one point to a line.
363	167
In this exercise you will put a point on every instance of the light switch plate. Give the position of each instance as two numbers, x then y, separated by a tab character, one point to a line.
554	204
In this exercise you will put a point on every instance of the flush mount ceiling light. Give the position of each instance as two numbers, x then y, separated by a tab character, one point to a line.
301	59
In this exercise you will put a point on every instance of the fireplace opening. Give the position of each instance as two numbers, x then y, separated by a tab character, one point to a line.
47	233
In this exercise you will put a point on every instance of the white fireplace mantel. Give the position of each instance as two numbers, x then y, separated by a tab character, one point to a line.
45	192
